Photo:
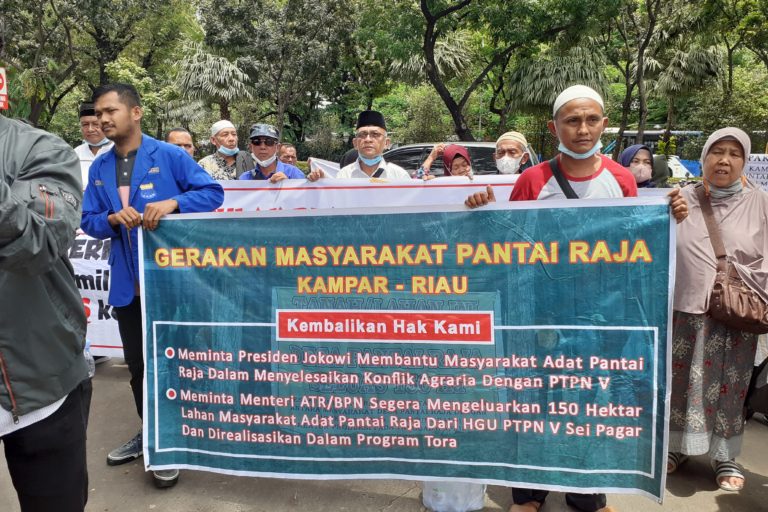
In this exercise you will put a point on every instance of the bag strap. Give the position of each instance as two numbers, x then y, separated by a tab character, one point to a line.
712	227
565	185
378	172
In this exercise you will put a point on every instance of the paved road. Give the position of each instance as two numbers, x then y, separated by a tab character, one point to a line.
128	489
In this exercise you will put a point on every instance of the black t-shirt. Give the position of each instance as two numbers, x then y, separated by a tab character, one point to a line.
124	168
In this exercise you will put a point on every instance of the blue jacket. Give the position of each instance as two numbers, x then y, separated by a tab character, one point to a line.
161	171
291	172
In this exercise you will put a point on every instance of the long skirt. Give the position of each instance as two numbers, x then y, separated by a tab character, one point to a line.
711	369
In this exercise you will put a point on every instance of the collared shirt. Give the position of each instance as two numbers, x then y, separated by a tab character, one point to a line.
290	171
217	167
123	172
391	171
86	158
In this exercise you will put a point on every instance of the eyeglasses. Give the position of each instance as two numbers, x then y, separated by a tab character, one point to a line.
266	142
373	135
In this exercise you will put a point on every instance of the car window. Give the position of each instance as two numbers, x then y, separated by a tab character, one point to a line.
407	158
482	160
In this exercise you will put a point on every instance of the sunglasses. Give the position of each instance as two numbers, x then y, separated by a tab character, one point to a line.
266	142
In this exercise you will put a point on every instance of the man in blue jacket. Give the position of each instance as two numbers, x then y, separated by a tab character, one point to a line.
135	184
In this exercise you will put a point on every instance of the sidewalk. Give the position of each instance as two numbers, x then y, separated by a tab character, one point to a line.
128	489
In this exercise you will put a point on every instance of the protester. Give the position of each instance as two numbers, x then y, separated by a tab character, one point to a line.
182	138
136	184
638	158
287	154
228	162
264	147
511	153
370	142
94	141
456	161
45	392
578	121
712	363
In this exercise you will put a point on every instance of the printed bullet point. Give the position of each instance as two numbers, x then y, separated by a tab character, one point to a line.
169	353
171	394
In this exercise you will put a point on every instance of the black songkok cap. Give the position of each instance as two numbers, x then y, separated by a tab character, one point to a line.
86	109
371	118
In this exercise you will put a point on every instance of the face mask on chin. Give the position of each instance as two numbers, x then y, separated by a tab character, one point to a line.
370	162
228	151
641	172
267	162
579	156
508	165
102	142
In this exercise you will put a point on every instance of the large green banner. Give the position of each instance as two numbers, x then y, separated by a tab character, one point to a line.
519	344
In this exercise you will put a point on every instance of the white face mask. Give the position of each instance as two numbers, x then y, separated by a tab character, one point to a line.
641	172
508	165
267	162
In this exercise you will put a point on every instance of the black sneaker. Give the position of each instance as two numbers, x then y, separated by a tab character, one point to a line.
131	450
165	478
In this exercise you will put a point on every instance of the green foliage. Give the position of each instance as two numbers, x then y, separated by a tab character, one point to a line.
667	147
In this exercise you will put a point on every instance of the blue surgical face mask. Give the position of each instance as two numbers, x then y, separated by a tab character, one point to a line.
228	152
370	162
102	142
580	156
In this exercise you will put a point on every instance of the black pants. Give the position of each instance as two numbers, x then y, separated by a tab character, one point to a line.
129	324
47	459
583	502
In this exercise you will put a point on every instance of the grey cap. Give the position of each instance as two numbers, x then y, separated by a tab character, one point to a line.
264	130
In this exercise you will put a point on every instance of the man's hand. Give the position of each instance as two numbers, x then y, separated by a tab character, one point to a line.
480	198
128	217
278	176
153	212
316	175
678	205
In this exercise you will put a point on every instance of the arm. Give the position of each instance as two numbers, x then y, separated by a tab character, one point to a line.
427	165
201	193
40	209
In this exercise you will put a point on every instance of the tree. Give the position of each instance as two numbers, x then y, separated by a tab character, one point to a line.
40	34
112	26
507	28
211	78
534	83
288	50
688	68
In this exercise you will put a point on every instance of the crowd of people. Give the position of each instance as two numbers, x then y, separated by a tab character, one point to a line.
131	180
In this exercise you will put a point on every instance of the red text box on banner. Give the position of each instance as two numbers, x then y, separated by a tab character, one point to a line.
444	327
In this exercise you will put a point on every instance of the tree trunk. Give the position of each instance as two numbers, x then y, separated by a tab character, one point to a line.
224	109
670	118
626	105
642	95
729	87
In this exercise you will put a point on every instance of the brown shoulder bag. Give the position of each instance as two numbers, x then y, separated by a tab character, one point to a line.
732	303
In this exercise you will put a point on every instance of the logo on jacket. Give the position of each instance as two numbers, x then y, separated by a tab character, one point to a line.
154	170
147	190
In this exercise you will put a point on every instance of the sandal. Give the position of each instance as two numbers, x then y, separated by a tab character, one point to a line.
674	461
728	469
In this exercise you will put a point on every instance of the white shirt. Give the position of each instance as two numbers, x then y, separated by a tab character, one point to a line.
86	158
6	418
391	171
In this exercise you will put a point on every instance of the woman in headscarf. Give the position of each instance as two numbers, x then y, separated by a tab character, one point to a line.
638	158
456	161
712	363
